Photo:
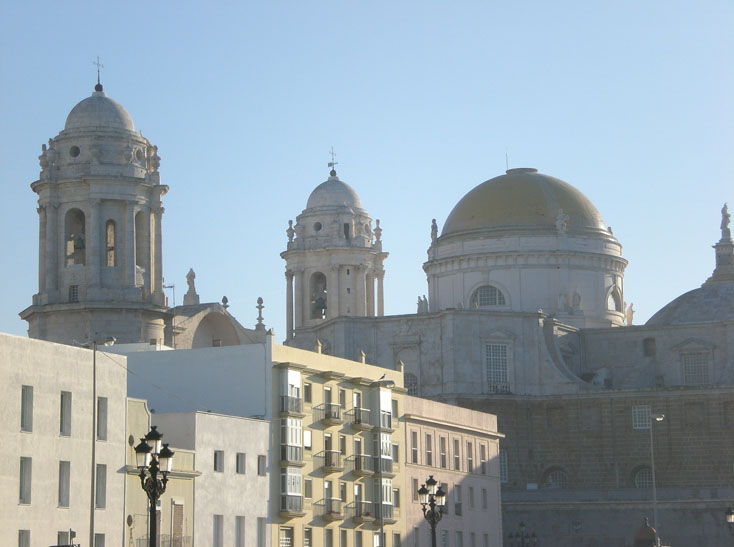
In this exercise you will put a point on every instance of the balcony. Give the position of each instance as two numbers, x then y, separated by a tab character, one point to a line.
291	506
291	455
360	512
388	516
330	460
360	418
330	509
328	414
498	387
387	466
361	465
291	406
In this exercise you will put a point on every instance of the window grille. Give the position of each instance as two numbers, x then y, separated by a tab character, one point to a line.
695	369
487	296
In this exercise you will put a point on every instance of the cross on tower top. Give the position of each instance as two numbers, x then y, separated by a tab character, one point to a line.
98	65
333	162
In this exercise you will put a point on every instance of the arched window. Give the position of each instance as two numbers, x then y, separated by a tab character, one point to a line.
555	478
317	290
110	242
614	300
643	478
487	296
75	237
410	382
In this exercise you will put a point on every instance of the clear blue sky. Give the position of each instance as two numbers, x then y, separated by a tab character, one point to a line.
631	102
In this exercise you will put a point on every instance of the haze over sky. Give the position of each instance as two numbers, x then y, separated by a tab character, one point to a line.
631	102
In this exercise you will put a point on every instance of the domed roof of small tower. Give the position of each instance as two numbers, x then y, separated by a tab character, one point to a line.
99	111
523	200
333	193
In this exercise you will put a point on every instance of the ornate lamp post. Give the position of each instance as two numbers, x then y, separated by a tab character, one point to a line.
522	538
730	519
432	500
152	460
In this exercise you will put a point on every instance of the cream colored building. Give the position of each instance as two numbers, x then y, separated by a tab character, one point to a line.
60	472
460	449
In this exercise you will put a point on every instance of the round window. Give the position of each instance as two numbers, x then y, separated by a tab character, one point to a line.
74	151
317	226
139	155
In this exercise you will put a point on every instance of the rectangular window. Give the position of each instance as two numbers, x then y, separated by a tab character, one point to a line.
342	398
496	364
307	439
483	458
307	537
429	449
261	531
414	446
444	538
219	461
24	538
306	392
65	414
101	418
327	395
395	409
26	475
218	531
396	497
396	452
239	531
343	445
342	538
457	499
695	369
484	499
415	489
472	540
469	457
261	465
64	483
100	487
471	497
442	452
307	488
445	488
396	540
457	455
26	408
459	539
641	417
329	537
241	463
343	491
416	537
98	540
486	540
503	466
358	539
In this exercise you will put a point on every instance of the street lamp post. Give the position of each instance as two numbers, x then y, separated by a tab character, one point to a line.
523	538
730	519
386	384
152	460
654	418
432	501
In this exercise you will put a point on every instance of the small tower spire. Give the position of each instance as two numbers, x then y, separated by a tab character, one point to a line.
99	65
333	163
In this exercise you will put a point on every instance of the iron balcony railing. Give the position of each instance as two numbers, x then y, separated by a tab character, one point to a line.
165	540
498	387
329	508
361	509
331	412
359	417
360	464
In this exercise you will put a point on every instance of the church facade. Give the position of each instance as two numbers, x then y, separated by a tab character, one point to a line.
526	318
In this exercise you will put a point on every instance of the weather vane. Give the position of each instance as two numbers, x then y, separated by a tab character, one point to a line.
333	161
98	65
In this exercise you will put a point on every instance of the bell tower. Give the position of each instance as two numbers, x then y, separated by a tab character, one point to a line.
100	242
334	259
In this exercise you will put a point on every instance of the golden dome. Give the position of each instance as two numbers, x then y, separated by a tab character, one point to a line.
522	201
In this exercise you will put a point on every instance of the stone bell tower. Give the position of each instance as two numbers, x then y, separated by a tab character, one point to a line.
333	260
99	241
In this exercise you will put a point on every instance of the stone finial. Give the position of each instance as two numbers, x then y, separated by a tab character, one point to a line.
401	366
260	325
317	347
362	357
225	302
434	231
191	298
290	231
561	221
630	313
725	219
378	231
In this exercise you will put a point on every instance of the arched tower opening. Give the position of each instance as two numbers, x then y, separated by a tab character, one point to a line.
75	237
318	292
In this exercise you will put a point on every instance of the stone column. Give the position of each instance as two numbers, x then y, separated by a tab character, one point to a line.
128	260
52	236
93	236
380	293
359	289
300	298
41	248
156	275
289	304
334	290
370	293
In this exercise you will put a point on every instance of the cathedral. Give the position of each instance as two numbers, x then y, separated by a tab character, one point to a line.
524	316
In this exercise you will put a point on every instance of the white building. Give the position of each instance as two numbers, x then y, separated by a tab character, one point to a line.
232	493
61	472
